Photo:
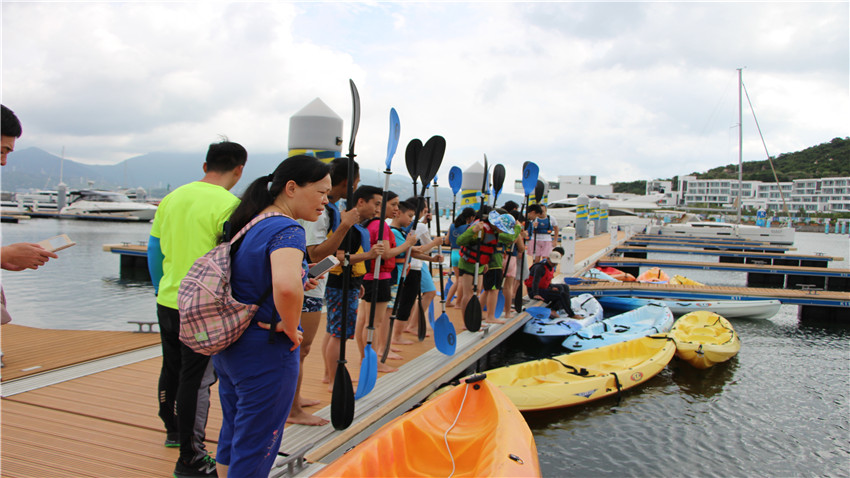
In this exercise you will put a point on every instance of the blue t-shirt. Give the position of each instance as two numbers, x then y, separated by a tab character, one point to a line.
251	272
454	233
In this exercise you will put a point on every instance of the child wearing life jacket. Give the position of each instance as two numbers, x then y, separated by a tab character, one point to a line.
540	286
379	288
542	231
495	231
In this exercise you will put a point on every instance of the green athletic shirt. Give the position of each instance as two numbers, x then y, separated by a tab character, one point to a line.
188	223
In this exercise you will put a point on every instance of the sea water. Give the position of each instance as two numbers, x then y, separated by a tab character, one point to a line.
779	408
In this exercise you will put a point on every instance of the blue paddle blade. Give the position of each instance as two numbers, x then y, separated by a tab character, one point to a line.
431	314
368	373
455	179
500	304
395	133
529	177
445	337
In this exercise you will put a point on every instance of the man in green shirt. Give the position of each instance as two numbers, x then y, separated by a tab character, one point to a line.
187	225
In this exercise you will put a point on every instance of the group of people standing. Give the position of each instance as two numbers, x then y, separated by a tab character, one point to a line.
260	380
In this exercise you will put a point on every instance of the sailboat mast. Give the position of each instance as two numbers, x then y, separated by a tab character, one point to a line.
740	144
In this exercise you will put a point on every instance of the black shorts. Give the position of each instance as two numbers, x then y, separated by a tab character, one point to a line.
383	286
492	279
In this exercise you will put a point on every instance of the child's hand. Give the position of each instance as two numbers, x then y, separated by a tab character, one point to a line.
377	250
312	282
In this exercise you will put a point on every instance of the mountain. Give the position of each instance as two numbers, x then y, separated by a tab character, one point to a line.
159	173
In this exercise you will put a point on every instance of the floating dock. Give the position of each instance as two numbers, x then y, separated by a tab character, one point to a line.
91	410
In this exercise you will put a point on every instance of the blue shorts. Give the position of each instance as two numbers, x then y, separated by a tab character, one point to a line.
455	257
312	304
334	299
427	284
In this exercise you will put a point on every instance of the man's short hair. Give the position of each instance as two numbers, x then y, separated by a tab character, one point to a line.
511	206
339	170
365	193
10	125
225	156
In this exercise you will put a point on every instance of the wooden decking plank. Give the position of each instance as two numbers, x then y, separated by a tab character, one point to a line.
15	467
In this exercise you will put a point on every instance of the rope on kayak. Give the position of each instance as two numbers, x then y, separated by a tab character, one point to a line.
581	373
619	387
446	435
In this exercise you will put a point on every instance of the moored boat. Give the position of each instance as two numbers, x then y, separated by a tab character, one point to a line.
471	430
550	330
653	318
617	274
704	338
731	309
655	275
107	204
682	280
581	377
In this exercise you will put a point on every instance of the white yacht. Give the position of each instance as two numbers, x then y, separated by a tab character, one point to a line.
107	205
773	235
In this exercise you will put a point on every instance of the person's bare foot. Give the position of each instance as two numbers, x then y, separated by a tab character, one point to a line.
309	402
326	379
402	342
306	419
416	333
393	356
384	368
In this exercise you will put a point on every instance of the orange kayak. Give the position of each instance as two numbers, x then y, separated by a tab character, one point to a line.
485	433
654	274
617	274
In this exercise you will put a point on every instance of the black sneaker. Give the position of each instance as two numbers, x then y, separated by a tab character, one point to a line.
172	440
203	467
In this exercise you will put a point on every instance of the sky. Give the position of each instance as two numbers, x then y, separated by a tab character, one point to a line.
622	91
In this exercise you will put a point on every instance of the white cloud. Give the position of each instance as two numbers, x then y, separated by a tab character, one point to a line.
624	91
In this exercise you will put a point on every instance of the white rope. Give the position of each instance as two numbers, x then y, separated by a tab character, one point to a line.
446	435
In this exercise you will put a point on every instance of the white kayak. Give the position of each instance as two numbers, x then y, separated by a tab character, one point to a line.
731	309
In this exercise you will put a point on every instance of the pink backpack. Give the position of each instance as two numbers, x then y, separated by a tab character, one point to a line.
210	318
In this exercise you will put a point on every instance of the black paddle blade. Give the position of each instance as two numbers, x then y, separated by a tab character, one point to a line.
408	294
342	399
411	158
538	191
431	158
355	116
472	314
498	181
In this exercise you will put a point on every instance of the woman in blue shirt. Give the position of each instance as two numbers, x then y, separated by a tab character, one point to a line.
258	376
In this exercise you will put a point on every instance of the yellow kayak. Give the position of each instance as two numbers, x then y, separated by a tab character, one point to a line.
581	377
682	280
472	430
704	338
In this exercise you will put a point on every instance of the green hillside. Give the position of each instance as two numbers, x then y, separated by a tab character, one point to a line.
822	161
825	160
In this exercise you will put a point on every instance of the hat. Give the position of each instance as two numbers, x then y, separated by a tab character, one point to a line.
504	222
555	257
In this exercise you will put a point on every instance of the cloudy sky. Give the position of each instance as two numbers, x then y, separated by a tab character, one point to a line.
623	91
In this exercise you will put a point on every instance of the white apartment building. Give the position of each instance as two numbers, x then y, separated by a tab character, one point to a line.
811	195
571	187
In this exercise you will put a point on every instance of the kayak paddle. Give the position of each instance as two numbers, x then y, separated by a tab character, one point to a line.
342	398
369	366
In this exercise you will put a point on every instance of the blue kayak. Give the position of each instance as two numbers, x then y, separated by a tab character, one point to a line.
730	309
650	319
550	330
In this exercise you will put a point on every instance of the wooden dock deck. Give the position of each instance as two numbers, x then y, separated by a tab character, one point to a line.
90	407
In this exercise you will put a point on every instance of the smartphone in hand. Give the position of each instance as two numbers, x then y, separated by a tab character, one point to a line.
57	243
323	266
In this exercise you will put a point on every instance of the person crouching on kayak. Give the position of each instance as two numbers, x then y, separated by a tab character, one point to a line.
540	286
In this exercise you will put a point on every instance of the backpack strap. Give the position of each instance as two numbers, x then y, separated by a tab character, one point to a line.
253	222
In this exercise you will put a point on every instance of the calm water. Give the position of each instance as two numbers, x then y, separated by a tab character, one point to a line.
780	408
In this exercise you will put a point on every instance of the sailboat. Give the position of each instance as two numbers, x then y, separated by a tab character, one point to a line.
772	235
